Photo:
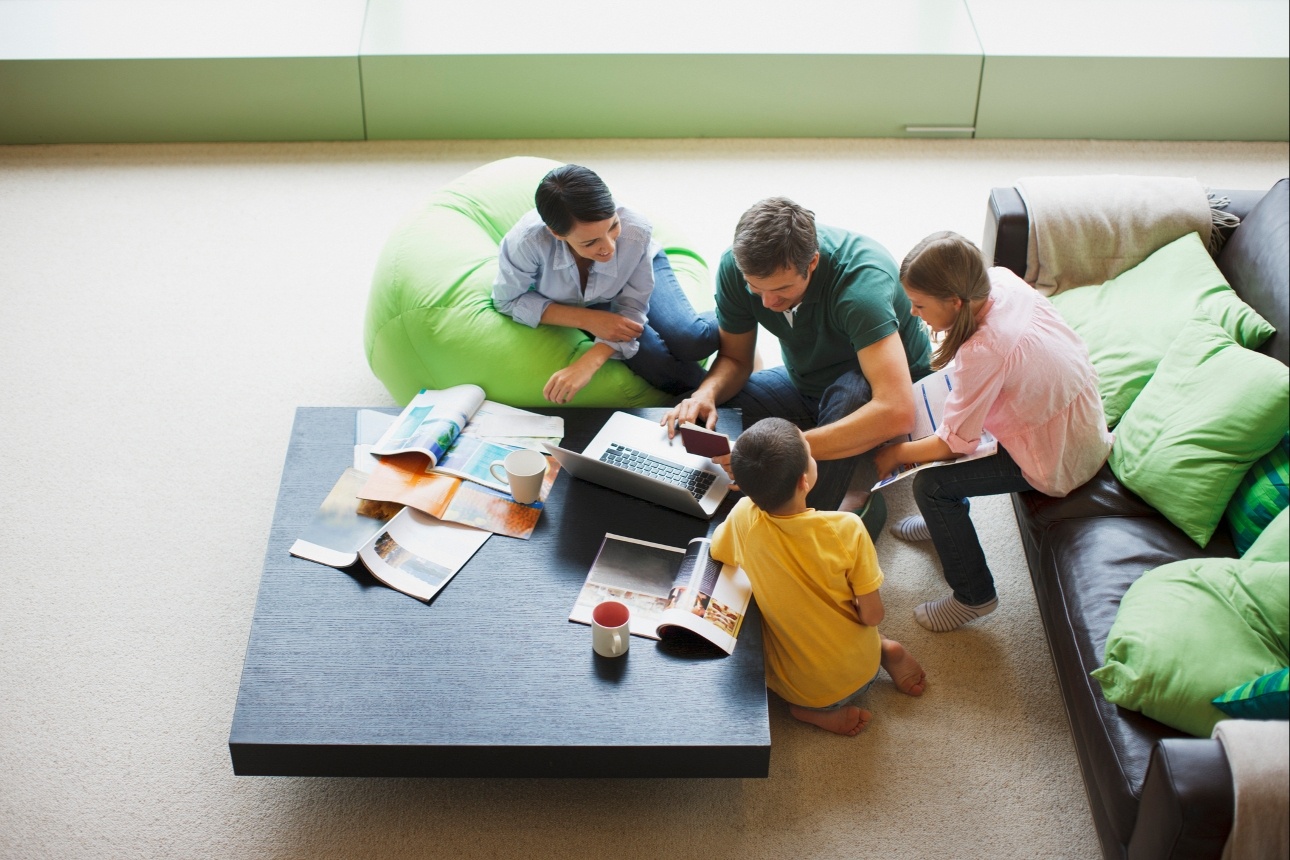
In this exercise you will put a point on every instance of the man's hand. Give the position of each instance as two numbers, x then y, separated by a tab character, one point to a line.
612	327
698	408
723	460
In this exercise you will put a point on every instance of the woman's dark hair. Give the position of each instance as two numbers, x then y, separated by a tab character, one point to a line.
572	193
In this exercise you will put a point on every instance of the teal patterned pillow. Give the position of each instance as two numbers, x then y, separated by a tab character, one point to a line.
1261	495
1265	698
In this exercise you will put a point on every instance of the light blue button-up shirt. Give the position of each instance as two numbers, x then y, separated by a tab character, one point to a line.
534	269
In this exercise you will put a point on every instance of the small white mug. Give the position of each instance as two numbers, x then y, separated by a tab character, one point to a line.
610	628
523	472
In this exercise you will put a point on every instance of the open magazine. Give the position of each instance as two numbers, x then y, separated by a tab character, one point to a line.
668	589
460	489
409	551
431	422
402	479
460	433
930	394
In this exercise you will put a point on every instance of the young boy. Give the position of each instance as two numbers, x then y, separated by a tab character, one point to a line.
815	576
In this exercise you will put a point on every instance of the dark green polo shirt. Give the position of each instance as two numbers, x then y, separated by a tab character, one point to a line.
854	299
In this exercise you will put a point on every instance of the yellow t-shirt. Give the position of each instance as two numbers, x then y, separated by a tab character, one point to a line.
805	569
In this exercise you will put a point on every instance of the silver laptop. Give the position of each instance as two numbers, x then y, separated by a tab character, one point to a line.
634	456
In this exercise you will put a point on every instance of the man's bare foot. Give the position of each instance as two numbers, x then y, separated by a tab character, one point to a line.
903	668
849	721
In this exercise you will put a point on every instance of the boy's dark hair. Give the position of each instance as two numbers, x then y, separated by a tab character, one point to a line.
768	459
773	234
572	193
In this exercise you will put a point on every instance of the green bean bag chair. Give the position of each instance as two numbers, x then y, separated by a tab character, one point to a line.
430	316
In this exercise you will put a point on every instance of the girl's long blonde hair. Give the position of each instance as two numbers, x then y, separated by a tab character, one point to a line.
947	266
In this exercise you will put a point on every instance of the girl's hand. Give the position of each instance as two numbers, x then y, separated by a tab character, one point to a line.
613	327
887	460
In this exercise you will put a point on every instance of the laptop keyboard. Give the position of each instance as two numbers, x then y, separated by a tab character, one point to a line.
696	481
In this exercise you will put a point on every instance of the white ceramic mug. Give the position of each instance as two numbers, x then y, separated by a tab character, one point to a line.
523	472
610	628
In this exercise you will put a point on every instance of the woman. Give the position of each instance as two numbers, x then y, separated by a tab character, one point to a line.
581	261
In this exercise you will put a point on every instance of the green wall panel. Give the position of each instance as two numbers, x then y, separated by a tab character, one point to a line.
157	70
655	95
1135	98
111	101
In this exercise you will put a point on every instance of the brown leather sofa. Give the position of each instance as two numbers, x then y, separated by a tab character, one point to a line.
1153	791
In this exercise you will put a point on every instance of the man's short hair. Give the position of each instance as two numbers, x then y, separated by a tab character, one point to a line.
774	234
768	460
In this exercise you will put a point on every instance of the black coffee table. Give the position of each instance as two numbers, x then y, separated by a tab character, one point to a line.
345	677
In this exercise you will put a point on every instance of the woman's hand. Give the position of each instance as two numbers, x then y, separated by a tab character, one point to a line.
612	327
564	384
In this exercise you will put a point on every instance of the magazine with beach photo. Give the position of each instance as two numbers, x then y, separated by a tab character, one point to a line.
408	550
668	589
456	432
431	422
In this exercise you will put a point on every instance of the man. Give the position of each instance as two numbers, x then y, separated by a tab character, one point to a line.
851	346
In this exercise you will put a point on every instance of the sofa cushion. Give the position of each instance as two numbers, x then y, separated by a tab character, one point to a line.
1130	321
1265	698
1274	543
1262	494
1210	410
1256	261
1191	630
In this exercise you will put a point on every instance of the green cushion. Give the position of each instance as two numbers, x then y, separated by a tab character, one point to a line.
1261	495
1189	631
1264	698
1274	543
430	316
1211	409
1130	321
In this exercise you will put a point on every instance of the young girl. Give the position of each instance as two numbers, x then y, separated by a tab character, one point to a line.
578	260
1021	374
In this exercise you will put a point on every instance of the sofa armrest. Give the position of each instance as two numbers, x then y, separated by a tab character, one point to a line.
1187	802
1007	230
1007	224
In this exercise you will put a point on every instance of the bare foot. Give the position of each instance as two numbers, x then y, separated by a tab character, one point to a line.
849	721
903	668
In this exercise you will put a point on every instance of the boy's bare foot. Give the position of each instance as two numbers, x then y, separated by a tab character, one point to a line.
849	721
903	668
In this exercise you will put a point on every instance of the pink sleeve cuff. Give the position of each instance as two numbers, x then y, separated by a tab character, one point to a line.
957	443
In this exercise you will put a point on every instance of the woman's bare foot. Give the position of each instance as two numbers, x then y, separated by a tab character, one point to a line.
903	668
849	721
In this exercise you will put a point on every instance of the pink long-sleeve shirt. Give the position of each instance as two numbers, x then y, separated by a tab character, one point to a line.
1025	376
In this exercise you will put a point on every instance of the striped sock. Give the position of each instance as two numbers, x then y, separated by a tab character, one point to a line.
949	614
911	528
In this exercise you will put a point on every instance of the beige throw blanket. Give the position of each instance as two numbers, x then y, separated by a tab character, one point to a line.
1258	752
1088	229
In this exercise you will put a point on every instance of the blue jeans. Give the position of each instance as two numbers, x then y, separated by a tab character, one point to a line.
675	337
846	700
942	495
770	393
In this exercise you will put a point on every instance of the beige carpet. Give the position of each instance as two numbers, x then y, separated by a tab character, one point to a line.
164	309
